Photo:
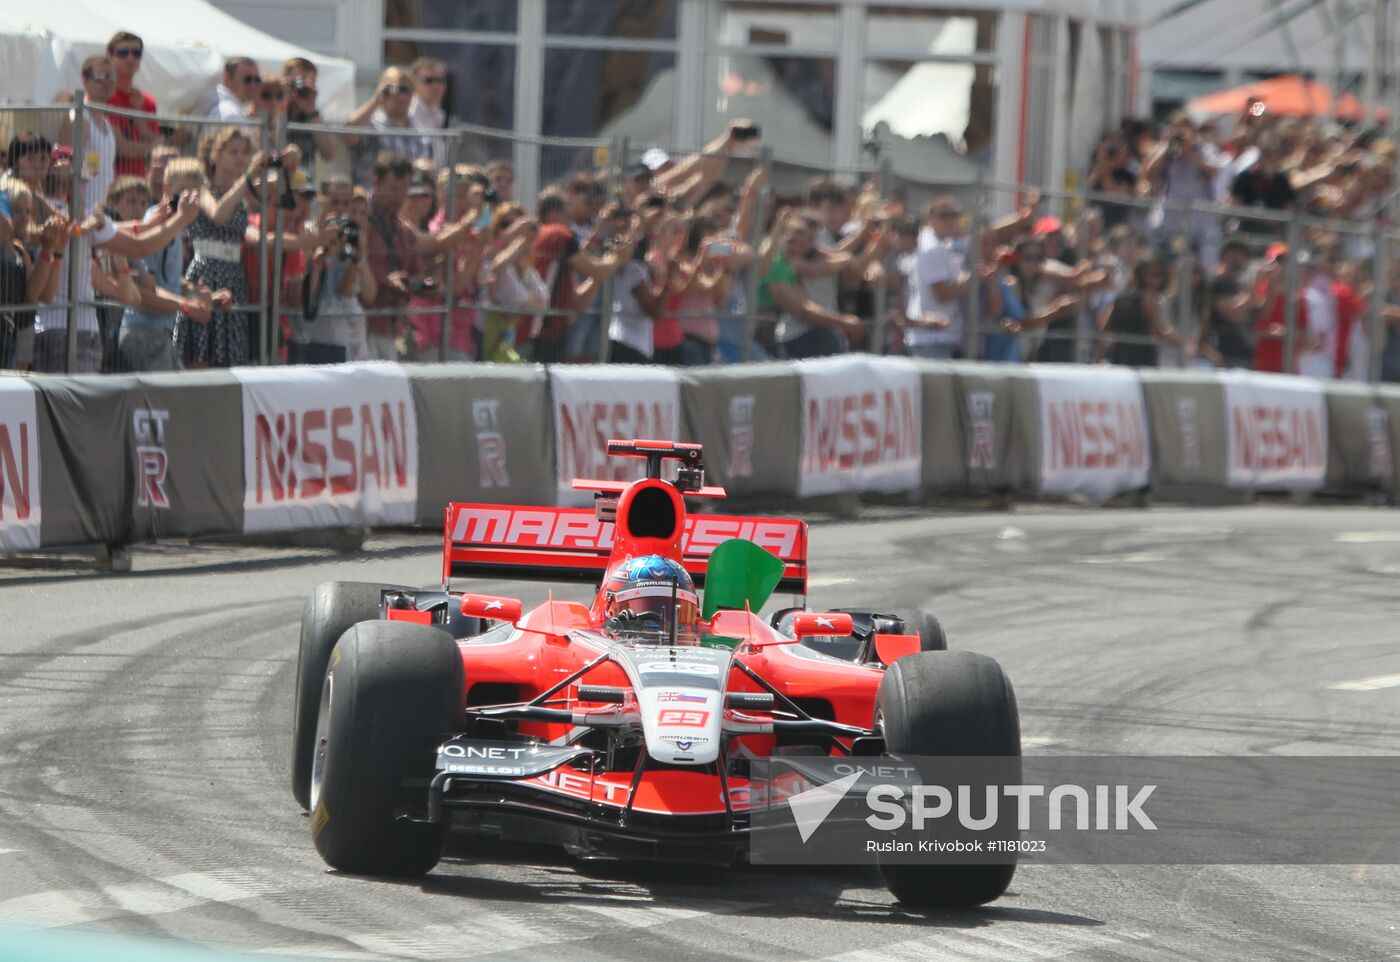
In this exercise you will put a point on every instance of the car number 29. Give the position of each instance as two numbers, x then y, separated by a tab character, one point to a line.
679	667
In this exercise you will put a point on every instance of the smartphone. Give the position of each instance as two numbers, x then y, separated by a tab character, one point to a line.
747	132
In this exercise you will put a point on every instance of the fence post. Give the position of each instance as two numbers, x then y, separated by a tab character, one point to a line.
273	331
882	290
76	245
1290	293
972	315
1380	286
262	251
620	147
449	297
1185	271
765	161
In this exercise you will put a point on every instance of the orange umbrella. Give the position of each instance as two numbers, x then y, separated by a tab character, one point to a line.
1289	95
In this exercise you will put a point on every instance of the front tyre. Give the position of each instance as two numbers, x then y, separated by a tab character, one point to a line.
931	636
330	610
947	703
393	693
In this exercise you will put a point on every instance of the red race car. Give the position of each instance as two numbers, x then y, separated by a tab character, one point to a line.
624	728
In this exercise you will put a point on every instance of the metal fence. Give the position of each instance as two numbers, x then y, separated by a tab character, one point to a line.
1123	279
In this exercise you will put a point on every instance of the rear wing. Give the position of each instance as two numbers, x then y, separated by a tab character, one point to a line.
572	544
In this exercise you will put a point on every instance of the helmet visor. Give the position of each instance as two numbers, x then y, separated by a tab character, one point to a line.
653	608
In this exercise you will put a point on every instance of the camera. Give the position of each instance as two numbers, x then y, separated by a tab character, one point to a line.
348	232
746	131
275	162
299	86
491	196
417	285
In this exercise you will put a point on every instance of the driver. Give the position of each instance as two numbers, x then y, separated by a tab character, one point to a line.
647	595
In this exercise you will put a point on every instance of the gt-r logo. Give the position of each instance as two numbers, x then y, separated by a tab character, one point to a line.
152	460
682	718
741	436
1190	433
490	443
982	445
1378	434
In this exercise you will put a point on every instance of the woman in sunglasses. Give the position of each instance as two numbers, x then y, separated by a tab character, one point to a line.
387	113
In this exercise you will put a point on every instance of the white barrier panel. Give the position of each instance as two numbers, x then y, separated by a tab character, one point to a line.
19	466
1276	431
862	425
593	405
328	447
1093	430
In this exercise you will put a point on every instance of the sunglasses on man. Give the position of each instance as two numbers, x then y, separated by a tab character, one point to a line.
124	53
397	89
432	81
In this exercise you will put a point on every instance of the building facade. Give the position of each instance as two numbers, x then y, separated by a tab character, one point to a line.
1011	92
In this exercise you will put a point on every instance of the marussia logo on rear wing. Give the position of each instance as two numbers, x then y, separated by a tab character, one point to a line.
579	530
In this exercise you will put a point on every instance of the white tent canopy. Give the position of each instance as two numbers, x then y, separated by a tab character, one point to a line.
43	45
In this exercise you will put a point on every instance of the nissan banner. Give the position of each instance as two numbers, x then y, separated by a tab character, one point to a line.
328	447
19	466
862	426
593	405
1093	430
1276	431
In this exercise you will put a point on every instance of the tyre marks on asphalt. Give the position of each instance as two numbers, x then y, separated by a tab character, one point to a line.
175	893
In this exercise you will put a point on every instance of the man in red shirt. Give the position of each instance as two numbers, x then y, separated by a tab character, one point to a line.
1270	323
392	251
134	137
1352	361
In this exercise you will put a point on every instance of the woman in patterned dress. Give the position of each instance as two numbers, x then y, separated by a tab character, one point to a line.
217	235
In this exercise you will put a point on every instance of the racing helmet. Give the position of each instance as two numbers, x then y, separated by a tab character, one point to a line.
646	596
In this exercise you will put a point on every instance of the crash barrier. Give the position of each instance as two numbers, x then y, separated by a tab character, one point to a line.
118	460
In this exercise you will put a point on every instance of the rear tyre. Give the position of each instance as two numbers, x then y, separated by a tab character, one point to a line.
931	636
948	703
332	608
393	693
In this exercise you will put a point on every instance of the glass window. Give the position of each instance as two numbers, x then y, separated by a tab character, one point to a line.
740	24
480	78
607	93
632	19
958	32
484	15
932	106
790	98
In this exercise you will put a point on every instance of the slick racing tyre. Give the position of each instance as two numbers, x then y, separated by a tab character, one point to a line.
394	691
332	608
947	703
931	636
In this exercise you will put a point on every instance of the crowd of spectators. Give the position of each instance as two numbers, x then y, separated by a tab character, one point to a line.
386	252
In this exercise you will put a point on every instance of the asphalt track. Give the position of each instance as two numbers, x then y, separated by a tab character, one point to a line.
143	783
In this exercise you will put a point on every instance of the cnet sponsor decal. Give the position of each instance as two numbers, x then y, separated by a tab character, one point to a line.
1277	432
19	466
328	447
1093	431
593	405
861	426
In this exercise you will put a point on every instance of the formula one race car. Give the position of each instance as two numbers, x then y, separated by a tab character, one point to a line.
622	729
